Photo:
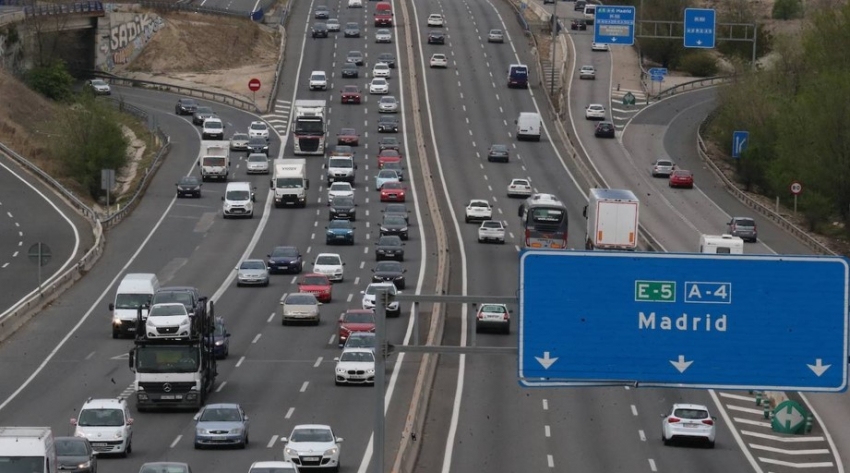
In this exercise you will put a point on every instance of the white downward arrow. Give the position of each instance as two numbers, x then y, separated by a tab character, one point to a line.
681	365
546	362
699	42
819	368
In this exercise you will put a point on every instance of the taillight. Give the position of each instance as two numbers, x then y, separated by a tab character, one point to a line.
673	420
708	422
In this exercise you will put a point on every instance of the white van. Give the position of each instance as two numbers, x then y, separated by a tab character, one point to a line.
238	200
721	244
29	449
528	126
134	291
589	13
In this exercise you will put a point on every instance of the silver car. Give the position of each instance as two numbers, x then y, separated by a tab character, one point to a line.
258	163
388	104
333	25
300	307
587	72
352	30
744	228
221	425
252	272
239	142
383	35
662	168
495	36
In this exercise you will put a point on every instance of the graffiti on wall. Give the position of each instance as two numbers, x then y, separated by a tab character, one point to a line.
127	38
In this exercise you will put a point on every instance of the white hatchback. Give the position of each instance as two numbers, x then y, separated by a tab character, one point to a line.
383	35
258	129
340	189
439	60
312	446
331	265
318	80
393	308
169	320
519	188
587	72
595	111
379	85
355	3
381	69
478	210
355	366
435	19
688	422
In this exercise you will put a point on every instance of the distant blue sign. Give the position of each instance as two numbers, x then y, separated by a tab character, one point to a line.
658	71
739	143
590	318
257	15
614	25
656	78
700	27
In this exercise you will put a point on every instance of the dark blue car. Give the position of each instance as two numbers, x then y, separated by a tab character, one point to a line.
340	232
220	339
285	259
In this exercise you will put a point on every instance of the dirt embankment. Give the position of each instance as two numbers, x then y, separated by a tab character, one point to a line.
24	117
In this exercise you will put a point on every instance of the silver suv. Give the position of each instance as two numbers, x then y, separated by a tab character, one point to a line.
744	228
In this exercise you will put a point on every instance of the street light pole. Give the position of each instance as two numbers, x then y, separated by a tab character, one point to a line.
554	35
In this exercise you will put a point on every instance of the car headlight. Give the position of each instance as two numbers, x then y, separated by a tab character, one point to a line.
201	432
290	451
237	431
184	322
340	370
219	343
331	451
384	229
333	210
119	434
116	321
79	434
330	233
371	371
84	465
404	229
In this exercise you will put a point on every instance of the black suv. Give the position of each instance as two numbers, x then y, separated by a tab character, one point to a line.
320	30
185	106
342	208
387	124
436	37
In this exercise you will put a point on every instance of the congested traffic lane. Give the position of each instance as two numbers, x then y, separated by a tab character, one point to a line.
31	213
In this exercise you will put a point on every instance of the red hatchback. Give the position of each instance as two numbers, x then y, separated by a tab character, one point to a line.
317	284
388	156
348	136
393	192
355	320
350	94
681	178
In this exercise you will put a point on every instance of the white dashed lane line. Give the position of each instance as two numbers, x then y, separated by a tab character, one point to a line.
17	225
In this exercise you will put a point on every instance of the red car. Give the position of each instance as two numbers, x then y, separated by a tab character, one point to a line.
348	136
350	94
317	284
355	320
393	192
681	178
387	156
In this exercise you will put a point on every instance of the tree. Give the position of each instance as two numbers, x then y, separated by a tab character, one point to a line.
51	80
787	9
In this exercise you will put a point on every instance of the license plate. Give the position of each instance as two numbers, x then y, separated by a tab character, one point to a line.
170	396
342	215
131	329
312	459
99	445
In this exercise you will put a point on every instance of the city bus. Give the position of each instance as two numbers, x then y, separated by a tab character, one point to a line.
544	222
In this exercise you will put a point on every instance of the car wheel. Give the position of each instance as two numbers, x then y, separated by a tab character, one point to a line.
710	444
508	329
238	284
283	322
115	333
467	219
664	439
480	240
337	383
197	446
266	284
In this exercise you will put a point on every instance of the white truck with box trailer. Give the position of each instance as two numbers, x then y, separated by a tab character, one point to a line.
289	182
214	160
612	220
310	126
27	449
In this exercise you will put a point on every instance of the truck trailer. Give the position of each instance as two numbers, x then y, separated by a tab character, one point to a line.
612	220
310	126
289	182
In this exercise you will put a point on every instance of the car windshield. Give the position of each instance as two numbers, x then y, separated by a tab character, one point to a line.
71	448
664	163
258	158
519	182
359	318
289	183
339	163
493	309
341	201
340	186
387	99
392	185
163	468
258	141
272	469
212	124
389	241
387	119
393	166
499	148
357	356
357	340
350	89
255	264
340	224
394	220
221	414
301	299
284	252
318	77
203	110
237	195
479	204
182	297
347	131
386	57
396	208
379	81
311	435
355	54
328	260
388	267
188	102
131	301
106	417
491	224
682	173
745	222
374	287
495	31
213	161
239	137
691	414
258	126
167	310
387	174
314	281
220	330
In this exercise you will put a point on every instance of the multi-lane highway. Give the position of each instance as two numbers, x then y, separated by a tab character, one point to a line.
31	213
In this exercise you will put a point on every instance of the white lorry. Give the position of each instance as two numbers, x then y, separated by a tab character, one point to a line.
27	449
214	160
310	126
289	182
528	126
721	244
612	220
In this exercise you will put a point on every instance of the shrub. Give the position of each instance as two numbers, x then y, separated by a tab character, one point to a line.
699	64
52	81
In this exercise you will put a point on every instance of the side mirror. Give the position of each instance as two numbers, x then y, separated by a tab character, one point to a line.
399	292
284	440
73	421
584	212
336	358
362	292
227	335
373	270
253	197
131	358
343	264
515	121
176	184
271	184
663	415
355	205
339	439
404	271
199	162
111	306
222	198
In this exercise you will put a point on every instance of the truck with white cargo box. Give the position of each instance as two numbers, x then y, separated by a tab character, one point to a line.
721	244
612	220
310	126
214	160
27	450
289	182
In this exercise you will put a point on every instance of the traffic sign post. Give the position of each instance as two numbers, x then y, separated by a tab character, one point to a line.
40	254
658	71
593	318
739	143
629	99
254	86
614	25
700	27
796	189
789	417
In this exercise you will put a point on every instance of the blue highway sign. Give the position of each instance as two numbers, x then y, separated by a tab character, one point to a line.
658	71
699	27
656	78
593	318
739	143
614	25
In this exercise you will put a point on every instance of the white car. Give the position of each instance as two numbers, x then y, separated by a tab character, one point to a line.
168	320
388	104
312	445
587	72
107	425
276	467
393	308
340	189
491	230
598	47
258	163
212	128
478	210
688	422
383	35
595	111
439	60
435	19
355	366
381	69
333	25
379	85
495	316
331	265
355	3
318	80
258	129
99	87
519	188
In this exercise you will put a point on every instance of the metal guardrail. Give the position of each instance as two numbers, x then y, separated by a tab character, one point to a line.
693	85
16	316
745	199
227	99
50	9
188	7
284	15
